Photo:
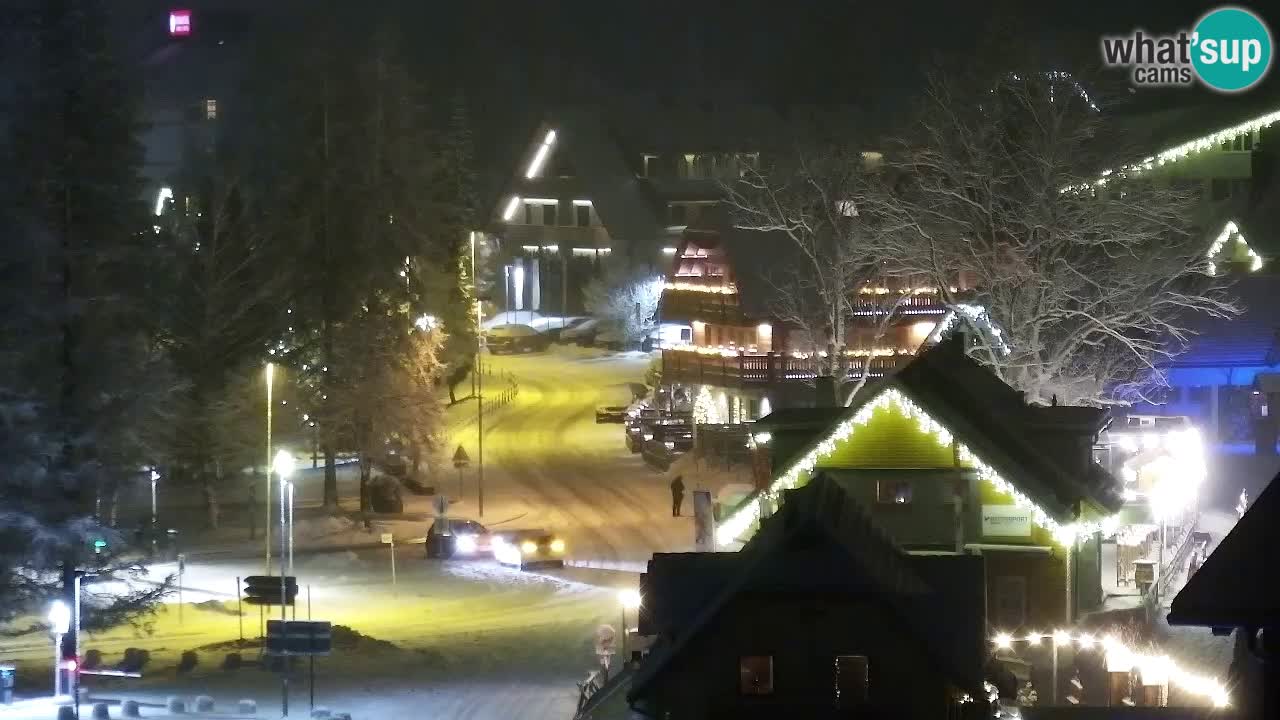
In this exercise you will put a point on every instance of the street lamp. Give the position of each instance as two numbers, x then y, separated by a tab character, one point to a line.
475	373
629	599
59	623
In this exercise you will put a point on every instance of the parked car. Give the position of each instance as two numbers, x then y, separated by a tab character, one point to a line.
611	414
611	340
455	537
584	333
555	327
523	549
515	338
512	317
395	461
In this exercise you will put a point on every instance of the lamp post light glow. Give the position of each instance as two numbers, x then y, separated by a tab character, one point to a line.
629	599
59	623
283	464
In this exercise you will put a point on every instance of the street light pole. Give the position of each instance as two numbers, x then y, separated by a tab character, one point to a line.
283	464
479	388
267	525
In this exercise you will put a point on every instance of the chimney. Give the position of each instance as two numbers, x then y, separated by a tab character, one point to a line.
824	391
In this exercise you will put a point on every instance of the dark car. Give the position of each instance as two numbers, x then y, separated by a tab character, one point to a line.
582	334
554	329
514	339
611	414
523	549
455	537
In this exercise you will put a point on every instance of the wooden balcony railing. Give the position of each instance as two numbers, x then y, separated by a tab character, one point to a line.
746	369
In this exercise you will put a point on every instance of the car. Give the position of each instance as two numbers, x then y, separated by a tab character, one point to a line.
584	333
395	461
456	537
611	414
611	340
523	549
554	327
515	338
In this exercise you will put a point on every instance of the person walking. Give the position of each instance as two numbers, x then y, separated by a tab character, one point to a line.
677	495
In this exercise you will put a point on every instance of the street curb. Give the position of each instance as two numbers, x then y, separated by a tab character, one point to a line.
617	565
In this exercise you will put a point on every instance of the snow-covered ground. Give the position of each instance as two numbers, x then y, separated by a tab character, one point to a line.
462	639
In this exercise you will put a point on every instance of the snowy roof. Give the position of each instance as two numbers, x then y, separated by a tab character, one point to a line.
939	600
1249	339
1233	589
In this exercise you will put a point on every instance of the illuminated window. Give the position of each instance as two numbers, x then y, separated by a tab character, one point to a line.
893	492
179	23
210	109
851	682
755	675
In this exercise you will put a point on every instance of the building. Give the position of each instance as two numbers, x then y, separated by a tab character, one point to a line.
621	180
820	616
1232	592
738	296
947	458
1226	153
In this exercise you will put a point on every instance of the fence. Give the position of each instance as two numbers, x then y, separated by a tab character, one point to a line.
760	369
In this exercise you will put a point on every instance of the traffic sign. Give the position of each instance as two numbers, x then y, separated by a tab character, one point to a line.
460	459
265	590
386	538
299	637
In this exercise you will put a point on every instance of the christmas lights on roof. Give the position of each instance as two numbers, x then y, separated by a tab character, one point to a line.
1231	233
1178	152
736	524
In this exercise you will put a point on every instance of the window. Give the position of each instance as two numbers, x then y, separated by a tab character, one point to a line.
583	215
755	674
686	335
893	492
549	214
210	109
684	167
532	214
1244	142
677	214
747	161
1010	601
851	681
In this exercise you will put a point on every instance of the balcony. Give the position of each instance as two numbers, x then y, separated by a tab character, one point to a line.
565	237
757	369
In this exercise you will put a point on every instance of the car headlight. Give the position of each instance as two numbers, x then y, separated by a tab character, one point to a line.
528	547
465	544
557	546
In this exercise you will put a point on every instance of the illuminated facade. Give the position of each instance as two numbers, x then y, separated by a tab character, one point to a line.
725	290
615	182
947	458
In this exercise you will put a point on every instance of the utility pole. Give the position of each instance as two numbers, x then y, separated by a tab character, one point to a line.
479	387
270	373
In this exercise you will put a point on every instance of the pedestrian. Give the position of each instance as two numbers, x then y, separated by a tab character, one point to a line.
677	495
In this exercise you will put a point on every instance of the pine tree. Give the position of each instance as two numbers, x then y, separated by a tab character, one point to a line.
79	378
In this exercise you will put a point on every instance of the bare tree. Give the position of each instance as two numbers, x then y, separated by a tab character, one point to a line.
625	299
1088	285
813	197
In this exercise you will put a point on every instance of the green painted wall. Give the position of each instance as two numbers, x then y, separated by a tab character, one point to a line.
889	440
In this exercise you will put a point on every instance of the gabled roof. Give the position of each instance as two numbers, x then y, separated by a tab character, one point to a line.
1235	587
822	541
1251	339
1041	456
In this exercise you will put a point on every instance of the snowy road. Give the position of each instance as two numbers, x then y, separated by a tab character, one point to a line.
458	640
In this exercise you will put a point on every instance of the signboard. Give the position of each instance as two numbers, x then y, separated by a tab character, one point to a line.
460	459
299	637
179	23
1006	521
386	538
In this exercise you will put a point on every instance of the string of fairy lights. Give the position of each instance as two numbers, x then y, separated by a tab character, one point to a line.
1154	669
890	398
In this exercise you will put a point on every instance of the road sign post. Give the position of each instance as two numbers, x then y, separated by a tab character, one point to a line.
460	461
389	539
